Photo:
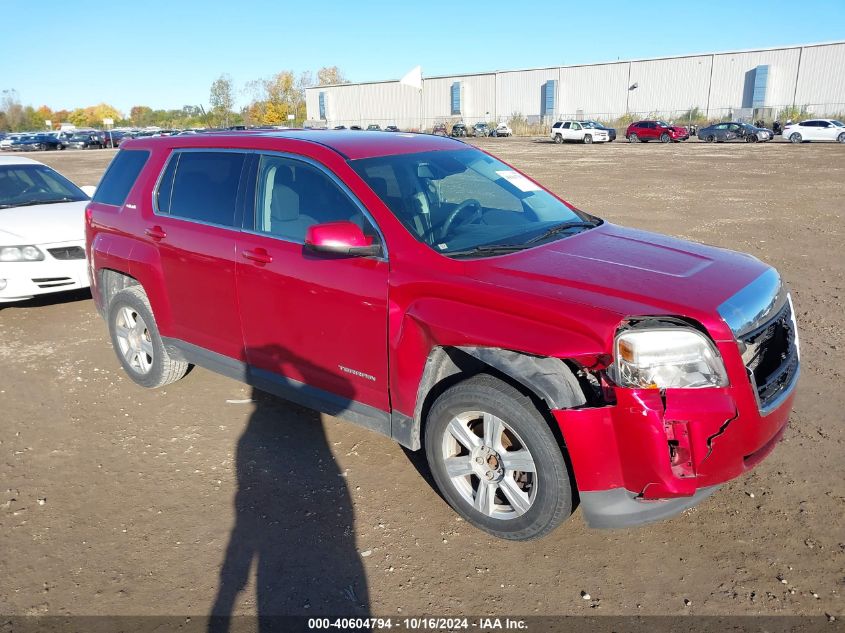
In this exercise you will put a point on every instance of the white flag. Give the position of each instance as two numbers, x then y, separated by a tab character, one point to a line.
413	78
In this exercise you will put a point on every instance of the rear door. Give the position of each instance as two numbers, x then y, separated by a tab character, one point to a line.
195	212
317	319
566	131
808	130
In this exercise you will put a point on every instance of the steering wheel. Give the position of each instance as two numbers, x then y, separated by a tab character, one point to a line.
468	204
32	189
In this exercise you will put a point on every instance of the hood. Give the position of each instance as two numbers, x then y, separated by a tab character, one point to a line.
679	128
43	224
627	272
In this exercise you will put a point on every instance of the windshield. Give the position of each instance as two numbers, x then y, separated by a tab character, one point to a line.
838	123
591	124
461	200
663	124
35	184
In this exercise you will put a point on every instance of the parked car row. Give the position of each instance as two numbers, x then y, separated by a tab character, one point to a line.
722	132
478	130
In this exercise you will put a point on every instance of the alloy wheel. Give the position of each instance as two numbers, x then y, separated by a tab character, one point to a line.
489	465
134	340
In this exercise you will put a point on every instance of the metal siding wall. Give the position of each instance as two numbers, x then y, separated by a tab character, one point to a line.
667	85
821	79
518	92
730	70
312	107
599	91
479	97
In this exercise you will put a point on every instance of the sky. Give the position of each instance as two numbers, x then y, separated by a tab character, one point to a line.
166	53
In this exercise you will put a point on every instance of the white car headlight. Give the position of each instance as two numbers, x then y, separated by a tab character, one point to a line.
20	254
666	358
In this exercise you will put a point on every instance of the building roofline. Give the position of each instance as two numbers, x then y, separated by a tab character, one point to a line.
604	63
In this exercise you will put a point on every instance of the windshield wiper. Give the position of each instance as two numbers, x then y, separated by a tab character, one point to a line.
30	203
560	228
488	249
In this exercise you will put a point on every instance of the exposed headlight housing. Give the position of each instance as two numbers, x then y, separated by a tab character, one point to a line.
20	254
666	357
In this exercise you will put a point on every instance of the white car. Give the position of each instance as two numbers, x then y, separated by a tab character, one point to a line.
577	131
42	230
815	130
6	143
502	130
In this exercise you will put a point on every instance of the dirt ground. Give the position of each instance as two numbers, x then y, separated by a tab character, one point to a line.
204	496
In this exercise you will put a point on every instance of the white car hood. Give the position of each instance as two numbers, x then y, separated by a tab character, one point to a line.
43	223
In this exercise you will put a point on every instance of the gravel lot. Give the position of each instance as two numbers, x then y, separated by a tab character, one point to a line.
117	500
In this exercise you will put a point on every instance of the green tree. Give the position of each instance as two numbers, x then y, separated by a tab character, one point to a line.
222	98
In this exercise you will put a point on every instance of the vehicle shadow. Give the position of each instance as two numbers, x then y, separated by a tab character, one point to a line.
293	518
54	298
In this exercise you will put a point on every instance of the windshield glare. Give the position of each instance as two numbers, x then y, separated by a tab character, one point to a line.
35	184
459	200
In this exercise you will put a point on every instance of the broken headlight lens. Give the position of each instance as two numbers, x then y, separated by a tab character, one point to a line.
666	358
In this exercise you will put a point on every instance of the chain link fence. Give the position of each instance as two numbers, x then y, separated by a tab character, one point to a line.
534	125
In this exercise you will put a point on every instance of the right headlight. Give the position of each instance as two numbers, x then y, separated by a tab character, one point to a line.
663	358
20	254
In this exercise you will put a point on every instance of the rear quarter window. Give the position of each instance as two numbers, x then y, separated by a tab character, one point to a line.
121	176
201	186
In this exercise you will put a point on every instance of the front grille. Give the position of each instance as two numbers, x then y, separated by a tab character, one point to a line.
52	282
770	354
67	252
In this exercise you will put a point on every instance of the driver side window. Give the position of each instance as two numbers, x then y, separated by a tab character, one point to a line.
292	195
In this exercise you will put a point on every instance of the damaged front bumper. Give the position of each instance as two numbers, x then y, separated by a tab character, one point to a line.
651	455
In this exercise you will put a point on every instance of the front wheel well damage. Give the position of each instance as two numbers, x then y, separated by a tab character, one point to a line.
551	383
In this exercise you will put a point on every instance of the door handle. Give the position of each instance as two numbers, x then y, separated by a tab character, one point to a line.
155	232
259	256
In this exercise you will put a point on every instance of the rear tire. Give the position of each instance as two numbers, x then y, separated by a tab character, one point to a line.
495	460
633	138
558	139
137	342
709	138
795	137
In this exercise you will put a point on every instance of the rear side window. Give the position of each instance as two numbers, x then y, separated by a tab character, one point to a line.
201	186
120	176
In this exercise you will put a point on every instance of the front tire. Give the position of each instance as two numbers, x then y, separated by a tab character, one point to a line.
841	138
588	139
495	460
665	138
137	342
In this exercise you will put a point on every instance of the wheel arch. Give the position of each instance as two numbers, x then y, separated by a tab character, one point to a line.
550	382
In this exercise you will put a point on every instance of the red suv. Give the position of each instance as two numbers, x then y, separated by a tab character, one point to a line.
425	290
646	131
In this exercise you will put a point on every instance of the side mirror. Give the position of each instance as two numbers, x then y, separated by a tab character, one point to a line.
340	238
88	190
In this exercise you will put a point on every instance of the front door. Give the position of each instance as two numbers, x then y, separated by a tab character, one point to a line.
317	320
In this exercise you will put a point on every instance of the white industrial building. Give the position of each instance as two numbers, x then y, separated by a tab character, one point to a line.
752	83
